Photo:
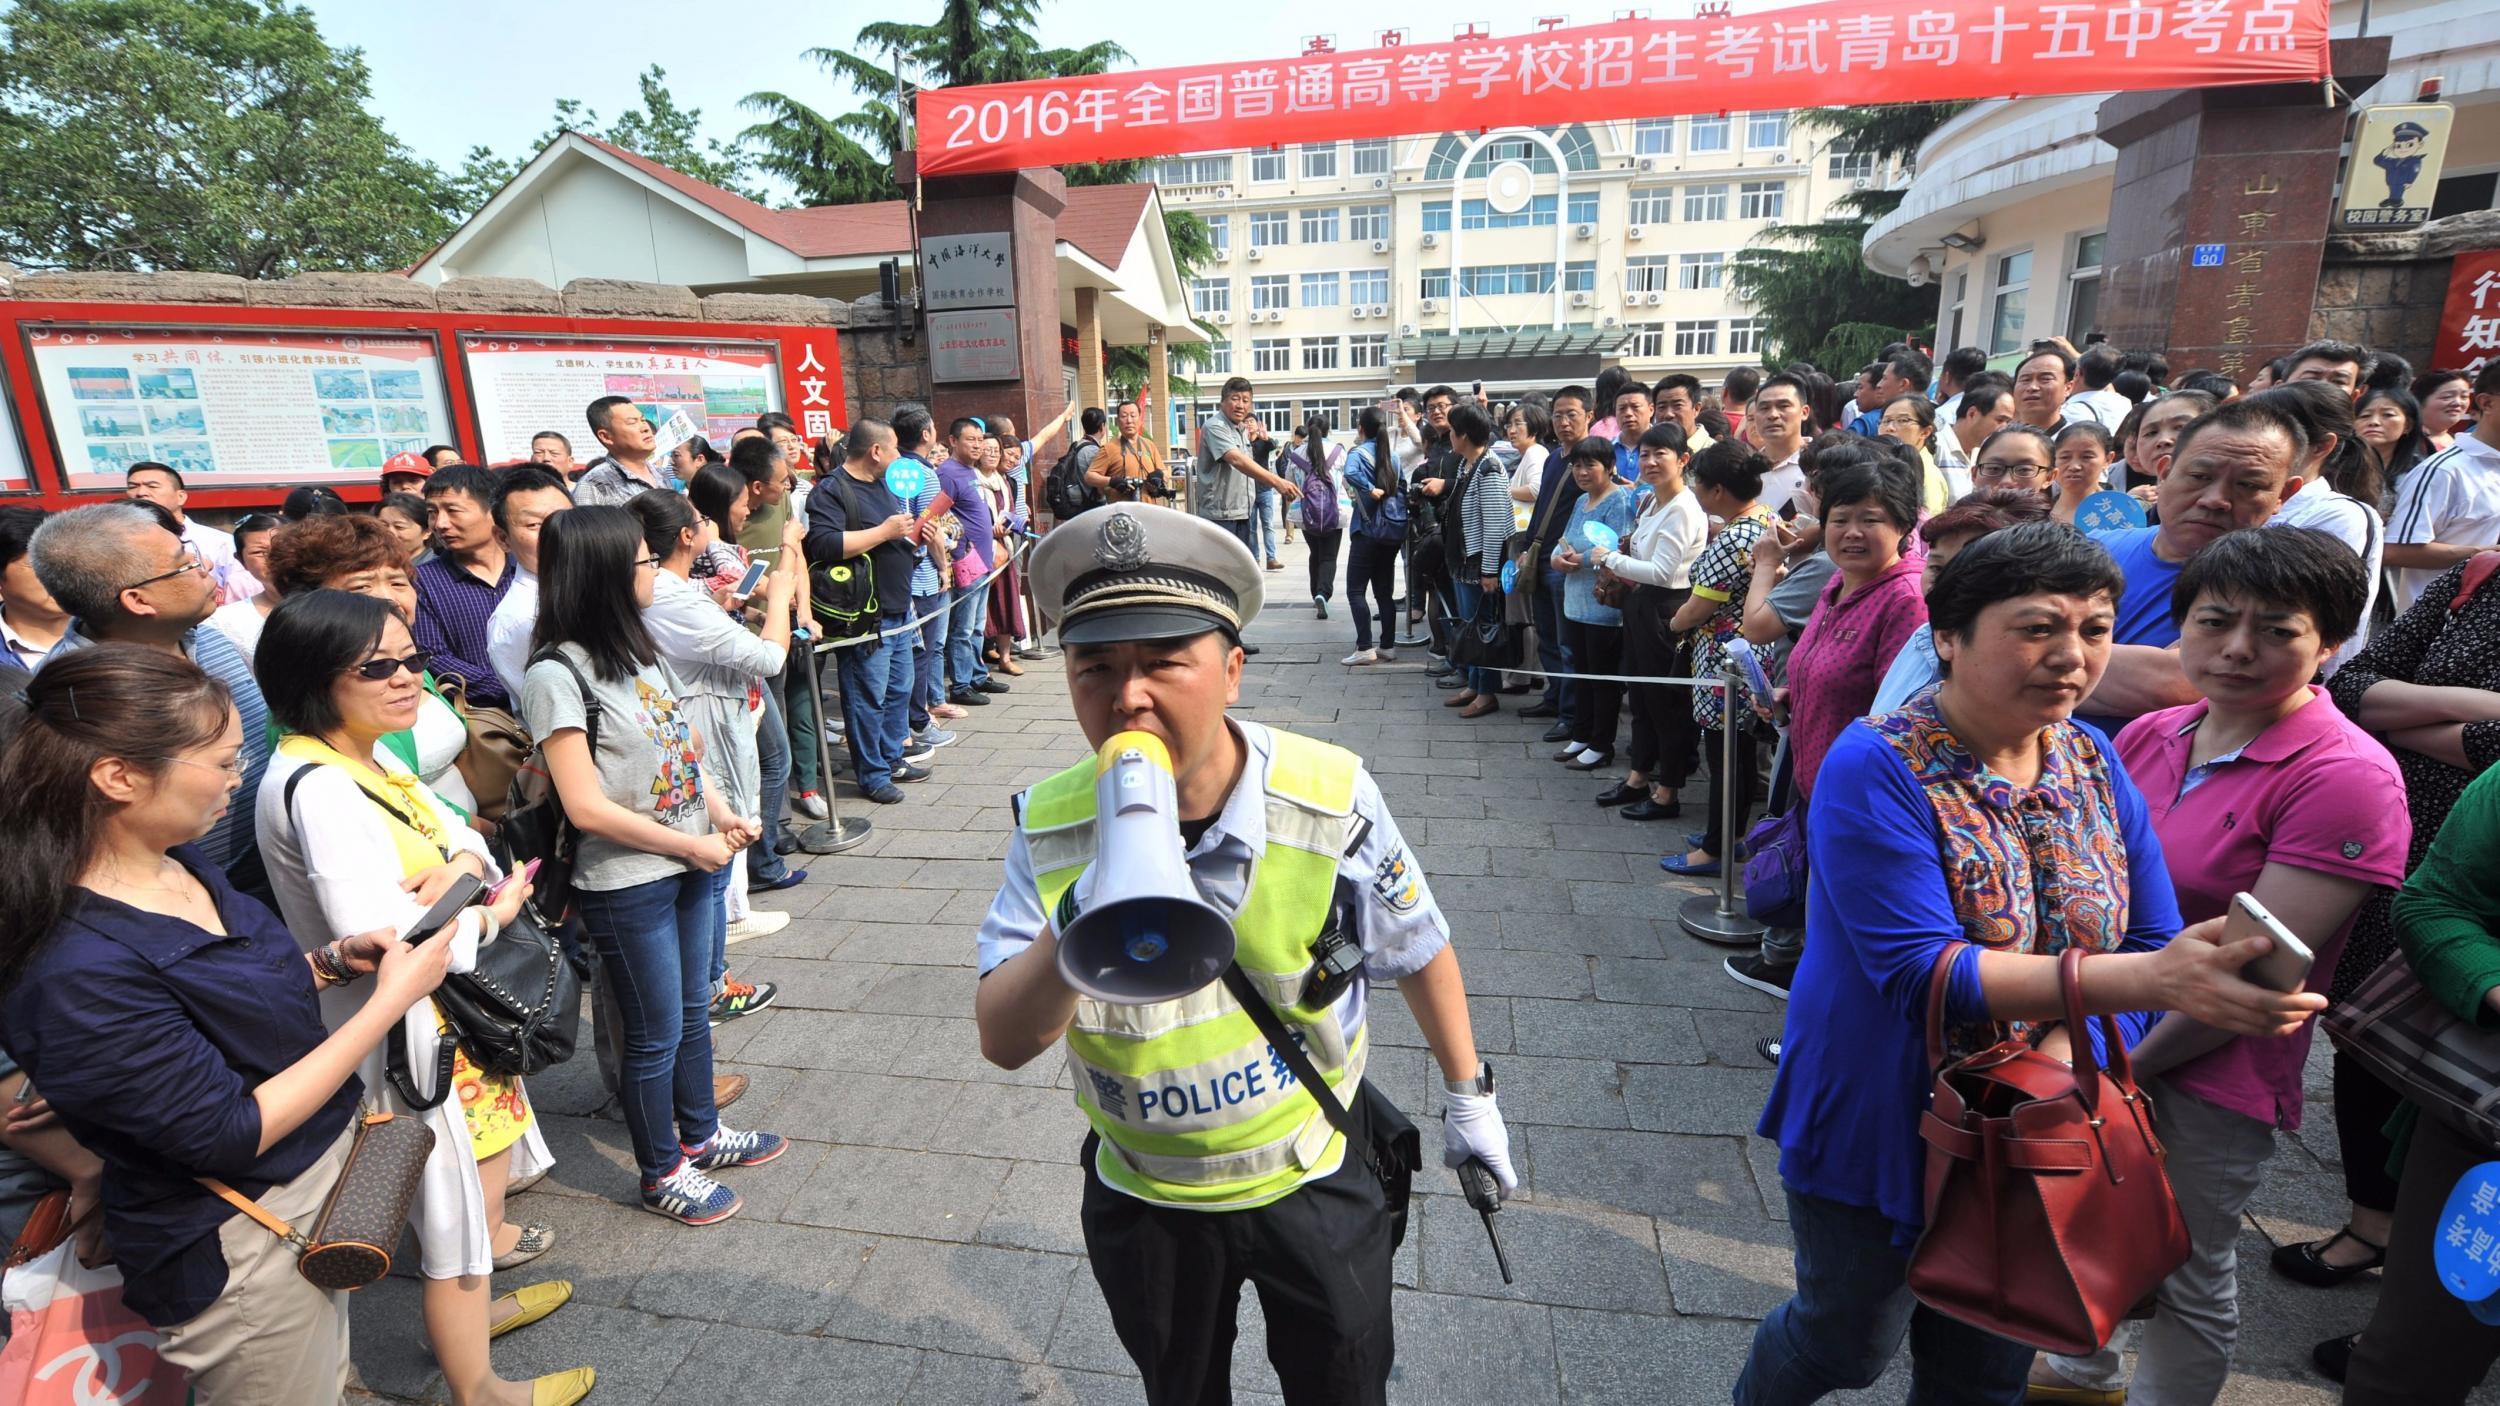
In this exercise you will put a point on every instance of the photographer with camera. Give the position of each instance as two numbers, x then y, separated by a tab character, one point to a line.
1129	467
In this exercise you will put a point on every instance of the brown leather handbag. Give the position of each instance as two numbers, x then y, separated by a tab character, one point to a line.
351	1241
2049	1215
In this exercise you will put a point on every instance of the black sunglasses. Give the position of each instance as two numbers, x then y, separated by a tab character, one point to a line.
376	670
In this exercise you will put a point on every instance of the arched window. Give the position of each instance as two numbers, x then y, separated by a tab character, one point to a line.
1579	152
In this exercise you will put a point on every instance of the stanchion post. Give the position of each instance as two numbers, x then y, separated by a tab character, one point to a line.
1720	917
835	833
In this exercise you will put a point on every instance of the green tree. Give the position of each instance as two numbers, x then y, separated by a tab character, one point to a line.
1809	283
664	132
216	135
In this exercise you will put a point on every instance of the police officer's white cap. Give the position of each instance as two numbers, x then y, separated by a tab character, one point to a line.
1134	571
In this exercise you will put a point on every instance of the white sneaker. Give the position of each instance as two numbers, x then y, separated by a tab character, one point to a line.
759	922
1387	655
810	804
1361	656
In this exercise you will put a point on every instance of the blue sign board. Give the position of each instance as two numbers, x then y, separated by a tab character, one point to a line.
2466	1251
1510	577
2205	256
905	478
2108	511
1600	535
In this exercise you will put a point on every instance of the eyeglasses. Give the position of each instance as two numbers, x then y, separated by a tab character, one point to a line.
646	561
189	562
1991	469
232	766
376	670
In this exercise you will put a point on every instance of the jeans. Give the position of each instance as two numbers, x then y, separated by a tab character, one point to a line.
1324	542
1371	568
1470	600
876	705
1244	531
1849	1314
1263	511
799	723
772	752
928	648
965	621
1553	652
655	943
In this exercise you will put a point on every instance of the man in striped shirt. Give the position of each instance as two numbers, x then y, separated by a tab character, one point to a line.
2448	507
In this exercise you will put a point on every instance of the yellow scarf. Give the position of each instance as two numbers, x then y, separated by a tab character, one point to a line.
405	803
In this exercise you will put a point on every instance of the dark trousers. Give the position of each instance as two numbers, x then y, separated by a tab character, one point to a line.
1371	569
1324	543
1596	707
1553	653
1666	743
1319	1257
1714	837
2423	1347
2363	1104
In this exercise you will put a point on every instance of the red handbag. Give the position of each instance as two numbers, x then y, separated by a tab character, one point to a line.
2049	1215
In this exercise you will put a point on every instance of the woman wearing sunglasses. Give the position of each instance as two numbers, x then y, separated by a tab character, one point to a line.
340	815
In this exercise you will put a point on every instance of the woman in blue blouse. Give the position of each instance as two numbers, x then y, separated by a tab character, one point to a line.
1979	812
171	1023
1592	629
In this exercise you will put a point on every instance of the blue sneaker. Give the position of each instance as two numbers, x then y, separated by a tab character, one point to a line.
735	1149
934	737
689	1197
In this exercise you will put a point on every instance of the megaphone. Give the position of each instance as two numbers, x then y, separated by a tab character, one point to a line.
1145	935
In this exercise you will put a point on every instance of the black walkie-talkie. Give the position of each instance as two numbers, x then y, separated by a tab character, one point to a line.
1482	1189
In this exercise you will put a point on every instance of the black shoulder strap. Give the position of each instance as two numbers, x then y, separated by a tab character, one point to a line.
1290	1050
286	799
590	701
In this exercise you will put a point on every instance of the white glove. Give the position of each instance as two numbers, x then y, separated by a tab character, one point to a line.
1471	1126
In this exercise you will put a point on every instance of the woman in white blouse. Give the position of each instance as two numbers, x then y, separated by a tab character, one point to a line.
1527	427
1657	563
355	843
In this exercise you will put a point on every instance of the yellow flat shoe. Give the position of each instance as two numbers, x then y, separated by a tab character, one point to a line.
563	1388
536	1301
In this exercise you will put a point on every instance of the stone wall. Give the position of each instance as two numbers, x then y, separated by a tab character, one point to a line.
2385	290
880	366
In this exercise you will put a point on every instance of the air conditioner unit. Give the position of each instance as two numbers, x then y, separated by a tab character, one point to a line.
1612	322
1361	313
1634	232
1863	183
1655	298
1432	304
1407	331
1380	182
1257	253
1380	246
1379	311
1431	240
1219	317
1579	300
1649	163
1223	192
1584	231
1631	295
1223	253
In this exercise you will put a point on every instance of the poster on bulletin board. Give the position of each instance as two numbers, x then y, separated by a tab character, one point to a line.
523	385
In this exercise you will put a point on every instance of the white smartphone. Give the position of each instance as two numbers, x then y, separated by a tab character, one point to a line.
2284	967
757	570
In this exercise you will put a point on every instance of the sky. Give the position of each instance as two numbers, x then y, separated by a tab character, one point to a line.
453	74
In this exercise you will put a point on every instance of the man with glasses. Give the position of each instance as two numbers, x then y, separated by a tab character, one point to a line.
124	579
150	482
1980	409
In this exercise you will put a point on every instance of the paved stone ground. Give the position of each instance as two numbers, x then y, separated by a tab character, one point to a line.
920	1241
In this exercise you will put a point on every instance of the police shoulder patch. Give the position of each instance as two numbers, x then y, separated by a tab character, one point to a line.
1394	883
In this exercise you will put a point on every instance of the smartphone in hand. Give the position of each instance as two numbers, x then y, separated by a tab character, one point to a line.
527	874
757	570
464	890
2285	966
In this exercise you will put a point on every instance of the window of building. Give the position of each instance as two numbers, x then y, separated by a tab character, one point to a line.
1319	163
1762	200
2083	286
1652	205
1208	295
1436	217
1580	276
1319	290
1435	283
1649	273
1708	134
1961	301
1649	341
1744	336
1193	171
1220	358
1653	136
1698	271
1267	165
1705	203
1367	351
1320	226
1480	214
1371	157
1696	339
1367	287
1766	130
1269	227
1581	207
1319	353
1367	222
1271	290
1271	354
1220	233
2011	310
1494	280
1842	164
1578	148
1277	415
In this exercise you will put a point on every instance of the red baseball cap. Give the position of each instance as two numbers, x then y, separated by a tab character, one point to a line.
407	462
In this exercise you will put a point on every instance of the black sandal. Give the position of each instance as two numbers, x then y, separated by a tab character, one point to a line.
2306	1263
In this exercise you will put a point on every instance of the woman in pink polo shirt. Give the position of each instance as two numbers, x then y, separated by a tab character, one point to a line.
2263	787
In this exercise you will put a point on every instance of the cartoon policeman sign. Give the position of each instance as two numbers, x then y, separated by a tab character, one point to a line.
2394	173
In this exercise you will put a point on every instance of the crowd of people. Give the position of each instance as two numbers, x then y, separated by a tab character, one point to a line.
243	765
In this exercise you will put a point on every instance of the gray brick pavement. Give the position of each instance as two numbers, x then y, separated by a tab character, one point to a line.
920	1243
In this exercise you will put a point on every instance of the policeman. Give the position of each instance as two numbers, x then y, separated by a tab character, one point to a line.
1211	1163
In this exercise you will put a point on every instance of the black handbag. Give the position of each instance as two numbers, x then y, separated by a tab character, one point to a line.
1384	1137
1488	640
518	1011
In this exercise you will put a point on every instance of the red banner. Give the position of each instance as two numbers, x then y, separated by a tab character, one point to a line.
2469	321
1855	52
